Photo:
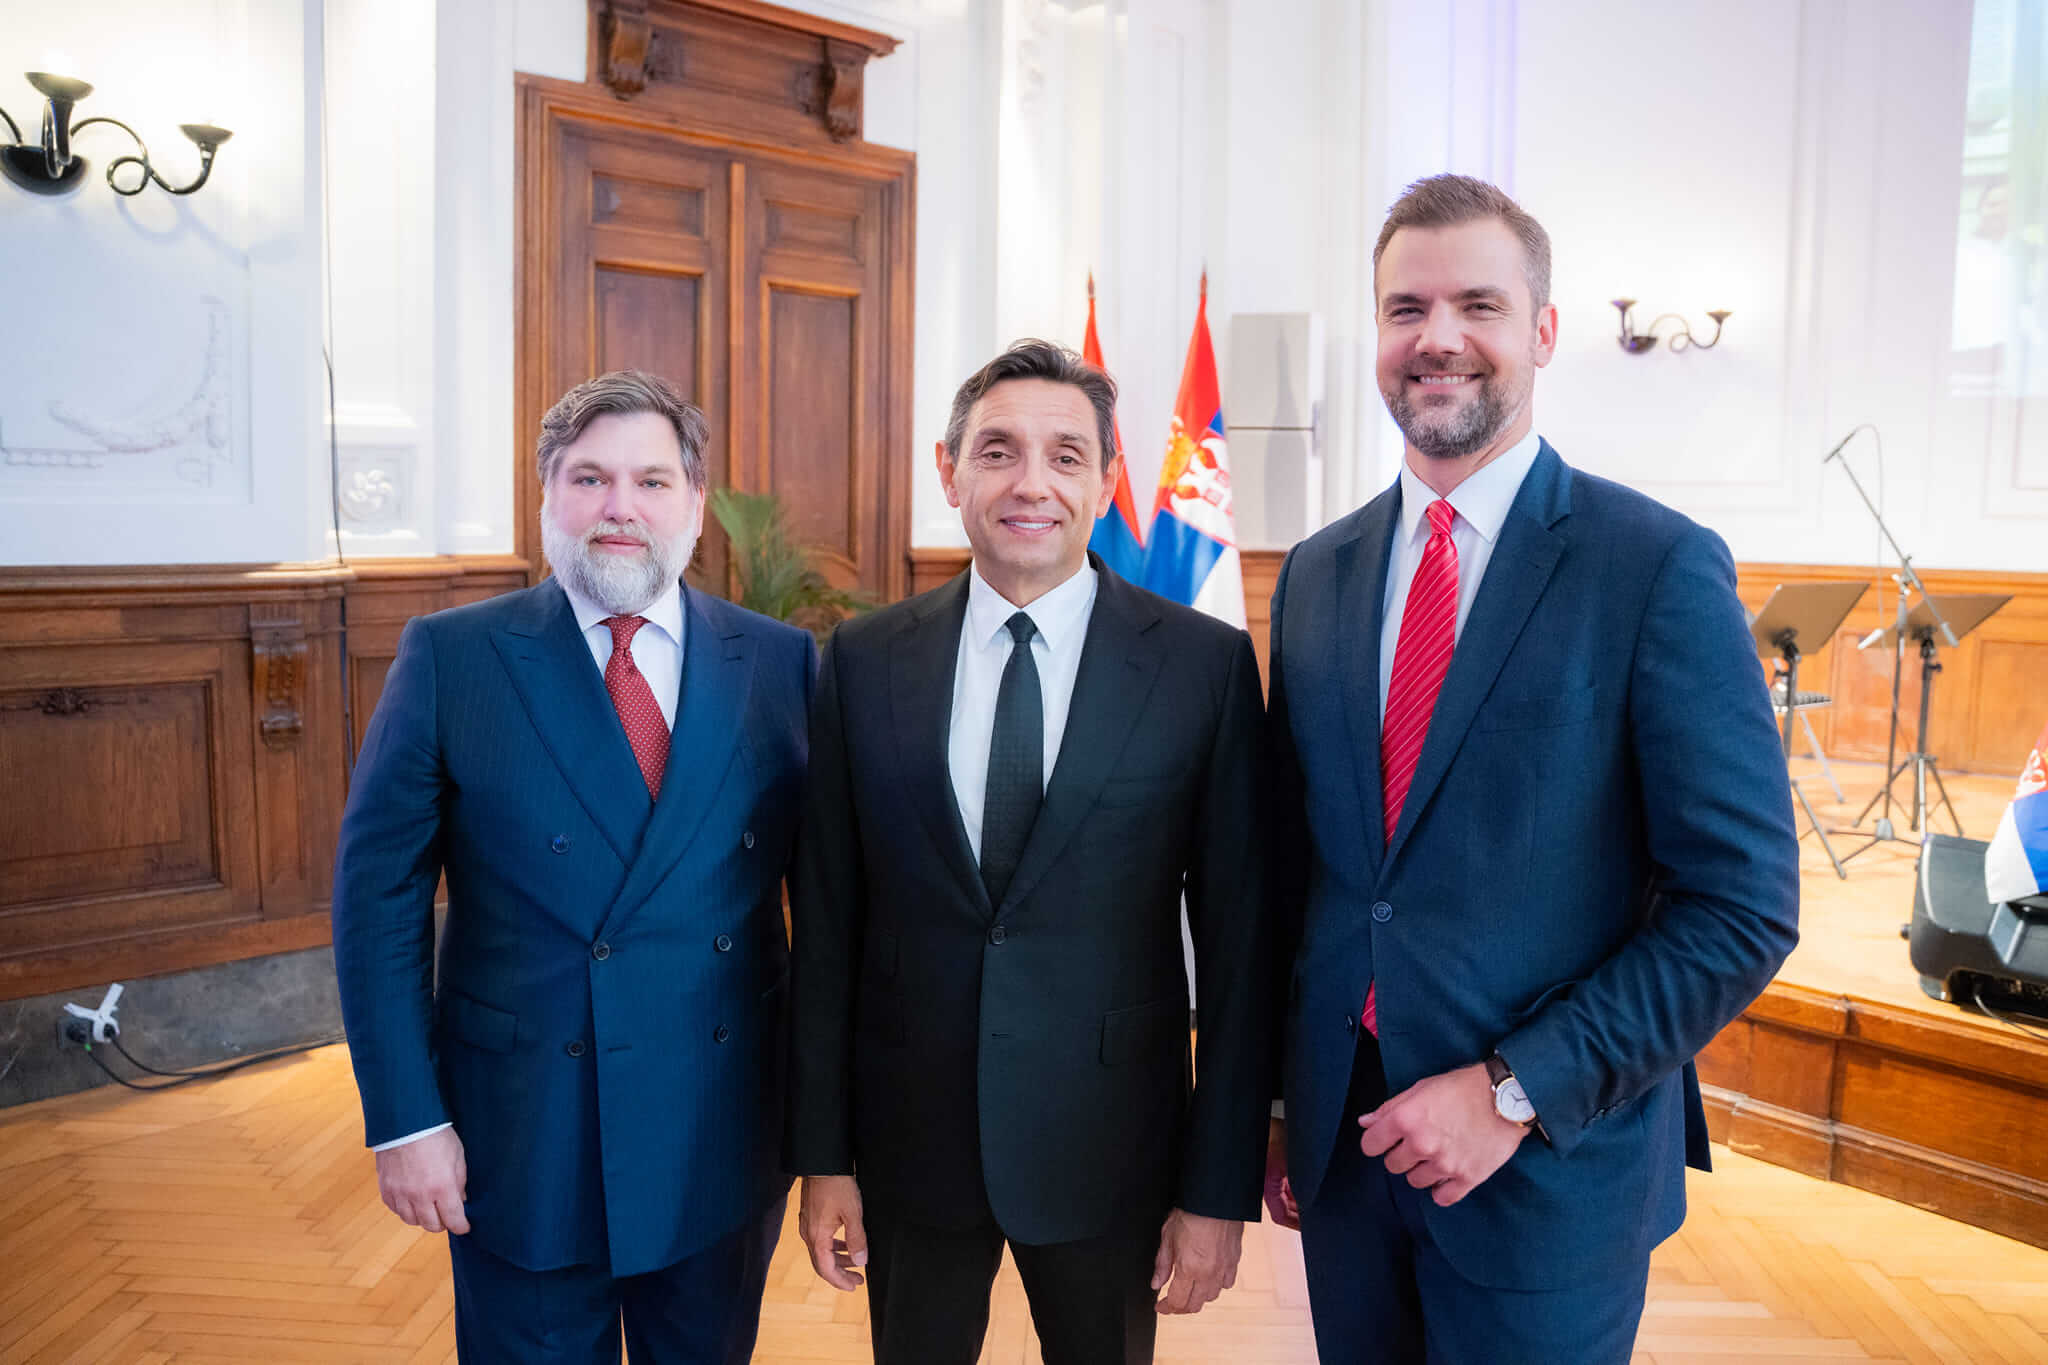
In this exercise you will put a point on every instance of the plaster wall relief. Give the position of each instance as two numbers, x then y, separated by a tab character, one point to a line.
138	431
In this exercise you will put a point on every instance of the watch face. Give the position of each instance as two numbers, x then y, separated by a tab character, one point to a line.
1511	1103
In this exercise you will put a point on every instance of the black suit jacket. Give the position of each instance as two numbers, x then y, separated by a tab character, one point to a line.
1030	1060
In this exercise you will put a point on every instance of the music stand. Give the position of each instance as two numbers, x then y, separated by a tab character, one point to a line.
1812	613
1963	613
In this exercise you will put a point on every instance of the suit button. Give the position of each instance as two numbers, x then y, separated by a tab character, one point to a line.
747	839
575	1049
601	951
1382	912
998	934
1350	1022
720	1034
723	943
560	843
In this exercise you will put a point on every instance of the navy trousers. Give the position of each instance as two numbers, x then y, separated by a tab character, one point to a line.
703	1310
1382	1293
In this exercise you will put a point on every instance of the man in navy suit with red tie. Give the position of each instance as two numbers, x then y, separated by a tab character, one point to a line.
607	769
1543	847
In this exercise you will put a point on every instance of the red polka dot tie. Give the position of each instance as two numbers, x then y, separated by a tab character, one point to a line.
1422	656
646	731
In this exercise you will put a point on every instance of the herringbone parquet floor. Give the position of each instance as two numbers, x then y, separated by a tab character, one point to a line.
238	1221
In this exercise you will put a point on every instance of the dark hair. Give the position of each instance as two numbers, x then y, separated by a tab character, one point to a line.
1035	359
623	391
1448	200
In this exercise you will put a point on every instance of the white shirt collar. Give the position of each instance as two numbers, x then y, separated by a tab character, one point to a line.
665	612
1059	614
1483	499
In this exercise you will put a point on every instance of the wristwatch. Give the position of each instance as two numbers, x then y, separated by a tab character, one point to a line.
1509	1101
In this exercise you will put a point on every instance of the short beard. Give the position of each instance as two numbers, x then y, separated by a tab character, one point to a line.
624	585
1465	432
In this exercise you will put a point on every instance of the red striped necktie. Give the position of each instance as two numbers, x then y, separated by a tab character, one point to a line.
1422	656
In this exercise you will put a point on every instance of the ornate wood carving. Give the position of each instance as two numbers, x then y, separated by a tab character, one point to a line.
626	37
777	71
277	652
833	89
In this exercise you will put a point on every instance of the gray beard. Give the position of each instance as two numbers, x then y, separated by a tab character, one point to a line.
623	586
1456	436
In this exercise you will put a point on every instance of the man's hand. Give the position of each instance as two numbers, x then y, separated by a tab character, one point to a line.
1280	1205
1443	1133
1199	1255
828	1204
425	1181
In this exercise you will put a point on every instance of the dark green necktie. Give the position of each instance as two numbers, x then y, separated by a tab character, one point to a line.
1016	764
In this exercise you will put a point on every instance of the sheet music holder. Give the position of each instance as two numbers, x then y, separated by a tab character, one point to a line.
1798	619
1963	613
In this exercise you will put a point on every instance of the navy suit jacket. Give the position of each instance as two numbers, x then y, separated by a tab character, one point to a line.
1594	871
607	1026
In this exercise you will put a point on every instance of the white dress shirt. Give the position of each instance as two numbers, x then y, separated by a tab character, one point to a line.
985	643
1481	502
658	653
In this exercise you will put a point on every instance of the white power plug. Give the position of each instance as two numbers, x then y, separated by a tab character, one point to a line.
102	1019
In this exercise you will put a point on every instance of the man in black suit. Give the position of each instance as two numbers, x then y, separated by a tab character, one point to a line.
990	1037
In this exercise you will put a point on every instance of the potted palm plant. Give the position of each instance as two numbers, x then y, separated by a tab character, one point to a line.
776	576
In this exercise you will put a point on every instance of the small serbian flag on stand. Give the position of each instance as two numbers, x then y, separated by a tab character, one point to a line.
1191	554
1116	536
2016	863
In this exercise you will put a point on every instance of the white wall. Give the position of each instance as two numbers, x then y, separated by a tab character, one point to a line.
1793	160
161	383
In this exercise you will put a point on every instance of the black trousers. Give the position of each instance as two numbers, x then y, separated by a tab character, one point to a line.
703	1310
1381	1292
928	1293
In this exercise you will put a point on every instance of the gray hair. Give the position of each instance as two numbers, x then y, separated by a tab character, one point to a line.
1449	200
1035	359
620	392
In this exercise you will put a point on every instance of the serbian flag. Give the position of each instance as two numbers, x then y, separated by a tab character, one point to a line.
1191	555
2016	863
1116	536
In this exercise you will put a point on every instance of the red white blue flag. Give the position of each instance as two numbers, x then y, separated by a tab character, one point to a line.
1117	536
2016	863
1191	553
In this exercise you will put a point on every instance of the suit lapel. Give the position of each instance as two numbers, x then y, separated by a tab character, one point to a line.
922	661
551	668
1119	664
1516	576
711	706
1361	593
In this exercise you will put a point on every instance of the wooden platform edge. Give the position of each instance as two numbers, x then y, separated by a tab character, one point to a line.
1944	1114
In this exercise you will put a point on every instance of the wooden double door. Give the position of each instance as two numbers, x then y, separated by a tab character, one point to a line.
772	284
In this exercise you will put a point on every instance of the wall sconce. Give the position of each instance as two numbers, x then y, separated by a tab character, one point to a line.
51	168
1635	343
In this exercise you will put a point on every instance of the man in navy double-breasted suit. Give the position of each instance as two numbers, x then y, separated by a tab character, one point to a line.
1545	843
607	770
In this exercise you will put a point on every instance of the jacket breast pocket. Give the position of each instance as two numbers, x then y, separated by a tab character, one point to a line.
481	1026
1537	713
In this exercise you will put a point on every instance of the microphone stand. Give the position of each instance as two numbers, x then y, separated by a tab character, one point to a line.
1908	580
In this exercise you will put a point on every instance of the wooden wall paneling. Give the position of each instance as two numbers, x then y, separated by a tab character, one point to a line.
179	731
180	734
1990	698
814	247
1939	1112
814	346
